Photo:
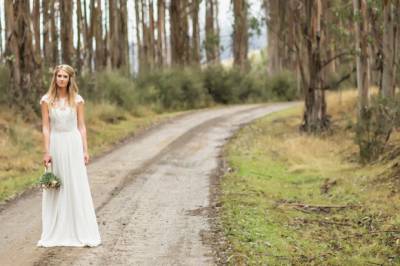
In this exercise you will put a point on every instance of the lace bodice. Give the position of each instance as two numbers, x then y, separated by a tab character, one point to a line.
63	118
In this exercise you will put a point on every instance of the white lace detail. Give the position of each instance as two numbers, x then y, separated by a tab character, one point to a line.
45	98
79	99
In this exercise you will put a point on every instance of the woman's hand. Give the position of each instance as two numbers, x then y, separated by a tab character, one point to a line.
46	159
86	157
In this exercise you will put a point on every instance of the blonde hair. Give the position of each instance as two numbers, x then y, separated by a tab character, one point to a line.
72	87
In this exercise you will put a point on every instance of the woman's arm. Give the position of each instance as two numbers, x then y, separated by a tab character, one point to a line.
82	129
46	133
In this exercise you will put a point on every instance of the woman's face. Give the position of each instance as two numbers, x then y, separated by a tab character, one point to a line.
62	79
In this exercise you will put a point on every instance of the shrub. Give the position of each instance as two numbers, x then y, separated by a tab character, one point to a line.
374	128
283	86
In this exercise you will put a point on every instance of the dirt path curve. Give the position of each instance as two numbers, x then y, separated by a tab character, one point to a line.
150	195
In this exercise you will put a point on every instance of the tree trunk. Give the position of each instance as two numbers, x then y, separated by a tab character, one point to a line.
211	36
36	29
360	9
195	58
152	45
389	49
160	31
179	32
315	119
79	49
240	34
138	38
1	41
272	13
54	14
100	62
123	61
47	54
66	32
25	86
217	31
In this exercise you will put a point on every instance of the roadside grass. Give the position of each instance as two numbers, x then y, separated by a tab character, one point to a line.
295	199
21	142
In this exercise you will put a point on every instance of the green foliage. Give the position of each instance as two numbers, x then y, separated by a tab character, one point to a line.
232	86
179	88
283	86
49	180
113	87
173	89
375	126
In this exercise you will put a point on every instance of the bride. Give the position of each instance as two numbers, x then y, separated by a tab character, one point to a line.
68	215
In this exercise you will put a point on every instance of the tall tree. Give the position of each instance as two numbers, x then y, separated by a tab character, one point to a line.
151	32
240	34
390	30
195	7
80	29
361	43
46	26
26	84
315	117
161	44
66	29
138	35
36	29
1	40
123	35
100	60
54	16
212	35
179	32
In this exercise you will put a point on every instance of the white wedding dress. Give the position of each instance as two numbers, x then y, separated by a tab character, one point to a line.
68	215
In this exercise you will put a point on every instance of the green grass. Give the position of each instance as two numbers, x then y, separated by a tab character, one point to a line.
274	168
20	163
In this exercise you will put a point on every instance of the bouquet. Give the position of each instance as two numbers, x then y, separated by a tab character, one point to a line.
49	180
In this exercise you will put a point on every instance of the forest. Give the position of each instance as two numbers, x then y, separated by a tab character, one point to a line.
141	62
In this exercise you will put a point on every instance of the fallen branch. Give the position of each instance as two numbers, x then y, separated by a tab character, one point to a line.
372	232
308	208
301	205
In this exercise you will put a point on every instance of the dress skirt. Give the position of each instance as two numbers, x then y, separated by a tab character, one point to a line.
68	215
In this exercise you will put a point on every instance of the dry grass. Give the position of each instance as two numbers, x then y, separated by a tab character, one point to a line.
277	168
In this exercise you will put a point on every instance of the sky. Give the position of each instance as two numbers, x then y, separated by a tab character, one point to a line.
225	23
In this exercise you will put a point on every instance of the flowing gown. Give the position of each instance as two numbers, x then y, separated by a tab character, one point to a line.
68	215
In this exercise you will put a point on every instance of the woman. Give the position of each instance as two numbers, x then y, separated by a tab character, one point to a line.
68	216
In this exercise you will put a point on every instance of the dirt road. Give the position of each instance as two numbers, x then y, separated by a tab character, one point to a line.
151	197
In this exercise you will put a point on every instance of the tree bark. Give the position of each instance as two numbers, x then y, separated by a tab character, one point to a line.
195	58
212	39
66	32
360	10
54	14
100	61
315	119
138	37
389	49
160	32
26	84
47	53
123	61
179	32
240	34
36	29
79	49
